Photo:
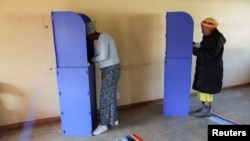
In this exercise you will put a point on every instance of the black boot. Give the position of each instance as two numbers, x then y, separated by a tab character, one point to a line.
205	111
198	110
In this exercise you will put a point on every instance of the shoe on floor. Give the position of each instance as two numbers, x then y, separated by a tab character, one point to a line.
204	112
100	129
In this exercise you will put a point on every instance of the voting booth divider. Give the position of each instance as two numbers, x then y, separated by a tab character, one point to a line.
178	64
75	73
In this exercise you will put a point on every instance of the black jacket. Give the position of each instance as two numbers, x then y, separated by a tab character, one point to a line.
209	63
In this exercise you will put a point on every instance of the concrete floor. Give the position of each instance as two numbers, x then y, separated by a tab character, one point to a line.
150	124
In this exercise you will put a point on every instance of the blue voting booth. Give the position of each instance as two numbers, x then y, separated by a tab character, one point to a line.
75	73
178	64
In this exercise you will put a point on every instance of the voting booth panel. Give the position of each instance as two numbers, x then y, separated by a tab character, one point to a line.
75	74
178	63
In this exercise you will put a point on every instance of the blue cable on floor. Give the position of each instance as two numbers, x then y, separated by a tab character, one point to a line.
221	120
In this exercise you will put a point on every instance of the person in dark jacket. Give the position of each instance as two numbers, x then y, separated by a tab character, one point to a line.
209	65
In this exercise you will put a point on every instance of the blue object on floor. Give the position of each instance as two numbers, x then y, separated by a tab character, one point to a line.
221	120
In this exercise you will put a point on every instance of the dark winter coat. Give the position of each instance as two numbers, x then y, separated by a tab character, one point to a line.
209	63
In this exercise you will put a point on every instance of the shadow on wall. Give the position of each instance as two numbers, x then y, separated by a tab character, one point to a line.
145	55
10	97
139	40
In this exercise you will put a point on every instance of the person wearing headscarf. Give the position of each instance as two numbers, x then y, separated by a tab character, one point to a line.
107	58
208	75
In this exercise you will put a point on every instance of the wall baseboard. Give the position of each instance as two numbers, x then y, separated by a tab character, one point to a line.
129	106
36	122
236	86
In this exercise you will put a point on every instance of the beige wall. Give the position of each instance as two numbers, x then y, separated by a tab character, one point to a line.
27	57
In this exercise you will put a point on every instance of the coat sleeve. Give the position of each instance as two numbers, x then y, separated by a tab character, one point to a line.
211	50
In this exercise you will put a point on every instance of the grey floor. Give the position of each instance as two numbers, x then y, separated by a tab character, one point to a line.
150	124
